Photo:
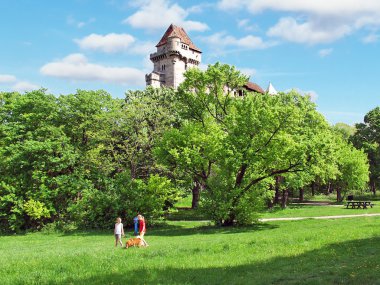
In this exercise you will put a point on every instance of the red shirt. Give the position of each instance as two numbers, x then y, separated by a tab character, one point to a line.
141	226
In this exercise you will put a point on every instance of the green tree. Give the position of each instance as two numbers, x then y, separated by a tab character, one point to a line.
147	114
367	137
258	138
67	159
353	172
34	151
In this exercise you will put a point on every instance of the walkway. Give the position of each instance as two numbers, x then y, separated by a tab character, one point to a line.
318	218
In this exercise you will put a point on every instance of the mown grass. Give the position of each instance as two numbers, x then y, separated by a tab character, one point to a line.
344	251
295	210
184	212
365	196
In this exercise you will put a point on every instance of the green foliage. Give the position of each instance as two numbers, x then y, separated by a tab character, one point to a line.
64	156
146	116
345	130
367	137
353	170
235	146
124	197
83	159
36	209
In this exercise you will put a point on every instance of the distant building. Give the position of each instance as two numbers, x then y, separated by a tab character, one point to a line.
175	54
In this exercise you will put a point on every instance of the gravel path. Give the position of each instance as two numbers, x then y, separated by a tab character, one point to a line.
318	218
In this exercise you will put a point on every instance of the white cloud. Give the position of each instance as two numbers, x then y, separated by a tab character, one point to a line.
243	23
313	95
246	25
231	4
77	67
159	14
248	71
248	42
308	32
79	24
325	52
371	38
23	86
6	78
143	48
322	21
113	43
109	43
199	8
321	7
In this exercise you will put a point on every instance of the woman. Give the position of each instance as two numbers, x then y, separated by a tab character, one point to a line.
142	228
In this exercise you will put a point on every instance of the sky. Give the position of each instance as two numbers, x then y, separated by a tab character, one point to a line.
329	49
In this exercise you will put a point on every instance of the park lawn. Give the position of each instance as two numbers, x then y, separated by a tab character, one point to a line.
337	251
293	210
366	196
296	210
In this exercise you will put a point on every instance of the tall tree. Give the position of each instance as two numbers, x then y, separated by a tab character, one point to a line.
258	138
353	171
367	137
35	158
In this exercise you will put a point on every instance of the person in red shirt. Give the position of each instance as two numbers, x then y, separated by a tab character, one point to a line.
142	228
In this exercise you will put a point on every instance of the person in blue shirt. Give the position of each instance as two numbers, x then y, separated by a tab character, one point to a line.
136	223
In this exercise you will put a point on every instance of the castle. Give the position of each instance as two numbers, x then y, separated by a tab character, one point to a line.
175	54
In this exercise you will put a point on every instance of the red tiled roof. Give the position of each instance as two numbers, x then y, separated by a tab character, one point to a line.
175	31
250	86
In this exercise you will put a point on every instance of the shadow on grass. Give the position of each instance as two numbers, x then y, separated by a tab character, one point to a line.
172	230
180	229
353	262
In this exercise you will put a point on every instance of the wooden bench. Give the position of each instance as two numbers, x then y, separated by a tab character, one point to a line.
359	204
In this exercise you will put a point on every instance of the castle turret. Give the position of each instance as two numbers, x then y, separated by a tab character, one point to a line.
175	54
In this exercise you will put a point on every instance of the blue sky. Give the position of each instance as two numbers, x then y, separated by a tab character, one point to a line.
329	49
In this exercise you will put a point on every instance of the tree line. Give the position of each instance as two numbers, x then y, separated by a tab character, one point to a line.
86	158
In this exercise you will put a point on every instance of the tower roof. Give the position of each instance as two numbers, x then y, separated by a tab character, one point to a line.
271	90
175	31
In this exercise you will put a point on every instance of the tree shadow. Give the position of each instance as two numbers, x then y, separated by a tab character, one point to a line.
174	230
353	262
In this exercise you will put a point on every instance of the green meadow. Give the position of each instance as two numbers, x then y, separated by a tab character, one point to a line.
334	251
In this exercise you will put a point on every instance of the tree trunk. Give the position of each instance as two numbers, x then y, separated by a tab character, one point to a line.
373	188
301	195
230	220
196	195
328	189
276	198
133	170
338	195
313	188
270	201
284	200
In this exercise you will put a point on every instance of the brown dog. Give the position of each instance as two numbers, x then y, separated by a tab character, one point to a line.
134	242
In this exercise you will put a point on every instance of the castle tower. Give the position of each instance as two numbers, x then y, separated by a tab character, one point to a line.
175	54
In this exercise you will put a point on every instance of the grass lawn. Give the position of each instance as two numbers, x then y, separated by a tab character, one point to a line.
344	251
184	211
295	210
